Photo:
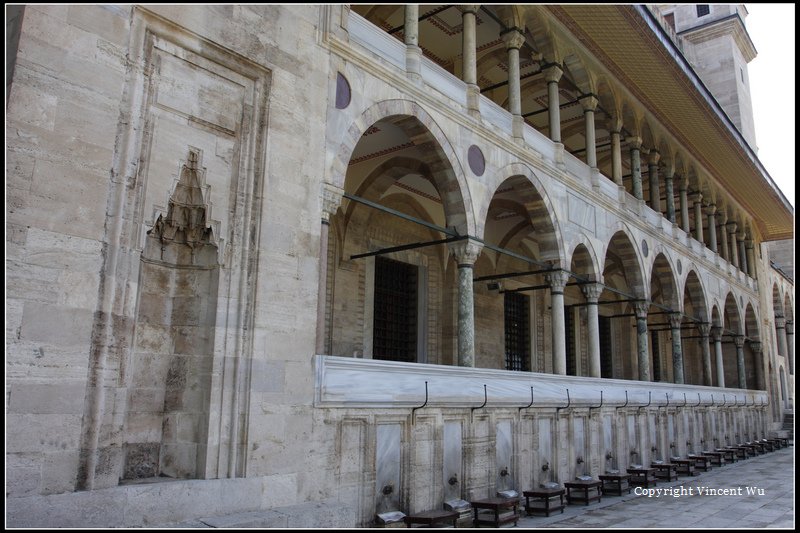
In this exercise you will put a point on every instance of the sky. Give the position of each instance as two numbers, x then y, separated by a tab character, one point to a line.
772	89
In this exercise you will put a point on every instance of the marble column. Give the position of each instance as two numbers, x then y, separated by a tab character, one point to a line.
698	218
712	227
643	355
675	320
331	199
756	348
723	238
466	252
751	259
552	74
670	192
589	104
411	39
592	292
636	166
557	281
734	254
780	333
716	336
704	330
790	345
655	188
469	56
684	200
514	40
742	252
616	158
738	340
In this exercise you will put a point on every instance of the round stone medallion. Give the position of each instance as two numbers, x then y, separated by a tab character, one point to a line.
680	267
342	91
476	161
645	249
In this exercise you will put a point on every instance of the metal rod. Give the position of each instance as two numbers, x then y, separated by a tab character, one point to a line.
421	406
569	401
540	287
521	408
485	399
649	400
423	17
626	401
512	274
391	211
408	247
598	406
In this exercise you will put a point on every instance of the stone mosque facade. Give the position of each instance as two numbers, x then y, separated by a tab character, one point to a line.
317	263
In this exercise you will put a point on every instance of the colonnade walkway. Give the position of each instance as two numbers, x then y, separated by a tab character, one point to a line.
766	483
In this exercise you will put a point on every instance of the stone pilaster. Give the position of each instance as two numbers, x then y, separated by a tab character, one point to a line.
331	197
712	227
557	281
756	347
742	252
751	259
670	192
466	252
723	220
734	257
592	294
514	39
616	158
684	200
675	320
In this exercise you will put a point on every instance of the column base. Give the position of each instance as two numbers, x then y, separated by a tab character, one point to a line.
473	99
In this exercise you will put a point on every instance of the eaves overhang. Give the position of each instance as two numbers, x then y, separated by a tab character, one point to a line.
631	44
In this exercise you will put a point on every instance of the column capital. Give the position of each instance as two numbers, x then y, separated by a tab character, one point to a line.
704	328
789	327
675	320
716	333
634	142
698	197
780	322
748	243
640	308
331	197
592	292
557	280
513	38
731	227
553	73
741	236
711	210
723	217
589	102
738	340
756	346
653	157
466	252
470	8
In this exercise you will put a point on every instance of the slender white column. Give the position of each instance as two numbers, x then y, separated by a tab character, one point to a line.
712	227
655	188
738	340
514	40
734	253
640	309
716	336
557	281
552	74
723	220
592	293
636	166
589	106
751	259
411	39
670	192
684	199
675	320
698	217
742	252
780	333
616	158
704	330
466	252
469	56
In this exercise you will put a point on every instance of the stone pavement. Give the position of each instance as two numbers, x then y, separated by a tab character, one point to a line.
771	504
